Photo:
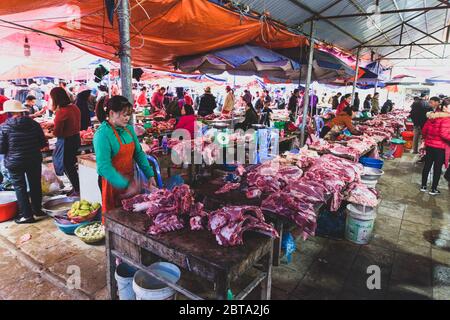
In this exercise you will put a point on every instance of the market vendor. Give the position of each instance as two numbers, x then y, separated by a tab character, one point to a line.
251	118
187	120
117	148
341	122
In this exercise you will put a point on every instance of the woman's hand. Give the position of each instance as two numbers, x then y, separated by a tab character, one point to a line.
132	190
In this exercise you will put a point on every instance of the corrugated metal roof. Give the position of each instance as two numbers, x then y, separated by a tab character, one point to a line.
351	32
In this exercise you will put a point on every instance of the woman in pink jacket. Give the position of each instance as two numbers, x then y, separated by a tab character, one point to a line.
436	133
187	120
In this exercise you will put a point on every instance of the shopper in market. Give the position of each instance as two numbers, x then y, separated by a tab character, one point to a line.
187	120
265	117
259	104
436	134
387	107
251	118
67	131
82	102
117	148
356	102
347	99
335	101
341	122
418	115
207	103
367	106
157	100
230	100
21	141
248	98
142	98
375	103
293	103
30	104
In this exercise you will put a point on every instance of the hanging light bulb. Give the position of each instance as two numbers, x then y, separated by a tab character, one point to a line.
26	48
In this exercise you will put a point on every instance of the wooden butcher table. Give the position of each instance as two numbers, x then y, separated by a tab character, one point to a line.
194	251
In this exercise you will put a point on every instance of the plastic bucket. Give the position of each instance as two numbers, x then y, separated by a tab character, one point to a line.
370	162
408	136
124	277
397	147
148	288
359	223
369	183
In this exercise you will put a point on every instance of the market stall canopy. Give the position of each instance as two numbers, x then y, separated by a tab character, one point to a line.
160	30
244	60
439	79
326	66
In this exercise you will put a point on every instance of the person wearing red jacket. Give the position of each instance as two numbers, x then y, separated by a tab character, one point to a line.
346	100
158	99
436	133
67	131
187	120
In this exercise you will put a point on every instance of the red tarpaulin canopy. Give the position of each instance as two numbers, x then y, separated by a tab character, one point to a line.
160	30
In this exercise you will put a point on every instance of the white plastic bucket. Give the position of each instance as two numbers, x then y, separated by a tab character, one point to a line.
359	223
369	183
149	288
124	277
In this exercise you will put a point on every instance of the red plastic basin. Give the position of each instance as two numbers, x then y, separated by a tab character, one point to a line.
8	205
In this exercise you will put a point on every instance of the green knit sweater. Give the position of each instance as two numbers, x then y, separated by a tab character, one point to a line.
106	147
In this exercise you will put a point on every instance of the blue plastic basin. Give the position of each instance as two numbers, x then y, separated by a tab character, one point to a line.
370	162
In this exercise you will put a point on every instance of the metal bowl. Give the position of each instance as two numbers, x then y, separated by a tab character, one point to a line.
219	125
53	208
372	173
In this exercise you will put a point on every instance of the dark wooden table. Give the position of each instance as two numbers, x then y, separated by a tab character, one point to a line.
237	197
193	251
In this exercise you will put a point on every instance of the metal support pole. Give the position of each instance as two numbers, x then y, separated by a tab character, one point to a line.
355	79
390	78
308	84
123	12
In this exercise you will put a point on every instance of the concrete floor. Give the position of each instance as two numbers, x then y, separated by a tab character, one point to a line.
411	246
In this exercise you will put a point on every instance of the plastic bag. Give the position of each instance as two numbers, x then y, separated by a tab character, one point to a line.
49	180
289	246
174	181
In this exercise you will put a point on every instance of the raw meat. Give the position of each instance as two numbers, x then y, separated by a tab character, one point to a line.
253	193
359	193
166	208
229	223
295	208
228	187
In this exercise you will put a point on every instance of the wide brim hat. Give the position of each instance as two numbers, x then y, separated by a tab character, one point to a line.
13	106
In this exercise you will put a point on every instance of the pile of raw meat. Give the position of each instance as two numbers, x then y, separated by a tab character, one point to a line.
271	177
160	126
165	208
359	193
334	174
87	136
172	210
229	224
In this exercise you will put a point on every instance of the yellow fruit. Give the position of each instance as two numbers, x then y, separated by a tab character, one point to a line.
85	207
96	205
84	213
